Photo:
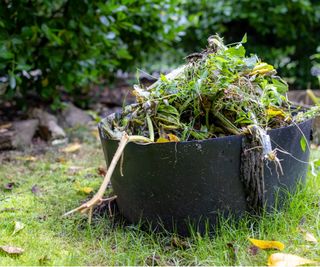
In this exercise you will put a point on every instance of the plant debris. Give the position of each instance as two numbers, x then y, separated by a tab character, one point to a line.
218	92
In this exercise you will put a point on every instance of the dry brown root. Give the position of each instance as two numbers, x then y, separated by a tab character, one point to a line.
98	197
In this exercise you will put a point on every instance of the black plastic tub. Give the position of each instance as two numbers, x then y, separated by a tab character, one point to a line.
173	185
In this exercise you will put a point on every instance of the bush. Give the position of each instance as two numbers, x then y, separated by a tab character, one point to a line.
47	47
284	33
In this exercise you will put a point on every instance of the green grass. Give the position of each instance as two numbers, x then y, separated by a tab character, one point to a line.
49	239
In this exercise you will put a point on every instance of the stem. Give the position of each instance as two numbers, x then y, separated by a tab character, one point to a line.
312	96
150	127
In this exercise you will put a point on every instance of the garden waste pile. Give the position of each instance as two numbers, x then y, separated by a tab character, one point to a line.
218	92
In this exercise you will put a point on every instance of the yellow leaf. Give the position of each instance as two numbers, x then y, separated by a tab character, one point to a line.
290	260
83	189
173	138
71	148
162	140
273	112
27	158
310	237
86	189
265	244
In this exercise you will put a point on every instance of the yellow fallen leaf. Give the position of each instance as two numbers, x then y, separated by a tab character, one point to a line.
86	189
83	189
162	140
27	158
173	138
265	244
290	260
310	237
71	148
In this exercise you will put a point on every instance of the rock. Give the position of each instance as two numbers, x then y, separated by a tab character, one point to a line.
18	135
71	116
48	125
25	130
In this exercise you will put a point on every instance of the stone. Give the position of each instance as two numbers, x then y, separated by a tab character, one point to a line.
48	125
19	135
72	116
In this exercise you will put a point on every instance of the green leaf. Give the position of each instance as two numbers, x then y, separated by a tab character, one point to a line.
244	39
303	143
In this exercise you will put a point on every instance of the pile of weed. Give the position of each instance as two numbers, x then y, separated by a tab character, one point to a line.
218	92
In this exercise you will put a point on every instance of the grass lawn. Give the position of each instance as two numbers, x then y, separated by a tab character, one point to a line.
45	188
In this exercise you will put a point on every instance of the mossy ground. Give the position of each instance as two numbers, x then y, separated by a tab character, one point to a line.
49	239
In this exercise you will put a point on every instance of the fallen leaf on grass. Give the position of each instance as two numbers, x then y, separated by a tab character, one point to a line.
12	250
310	237
83	189
71	148
102	171
290	260
18	226
265	244
27	158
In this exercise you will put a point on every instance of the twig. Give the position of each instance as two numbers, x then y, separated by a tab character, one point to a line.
98	197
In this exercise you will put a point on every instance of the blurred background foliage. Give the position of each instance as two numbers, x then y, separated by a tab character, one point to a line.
52	47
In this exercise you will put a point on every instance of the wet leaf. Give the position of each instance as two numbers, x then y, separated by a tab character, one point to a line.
290	260
18	226
303	143
265	244
12	250
71	148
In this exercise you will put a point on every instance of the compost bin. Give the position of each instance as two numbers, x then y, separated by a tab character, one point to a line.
181	184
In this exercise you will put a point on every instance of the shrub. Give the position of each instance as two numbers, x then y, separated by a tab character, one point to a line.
47	47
